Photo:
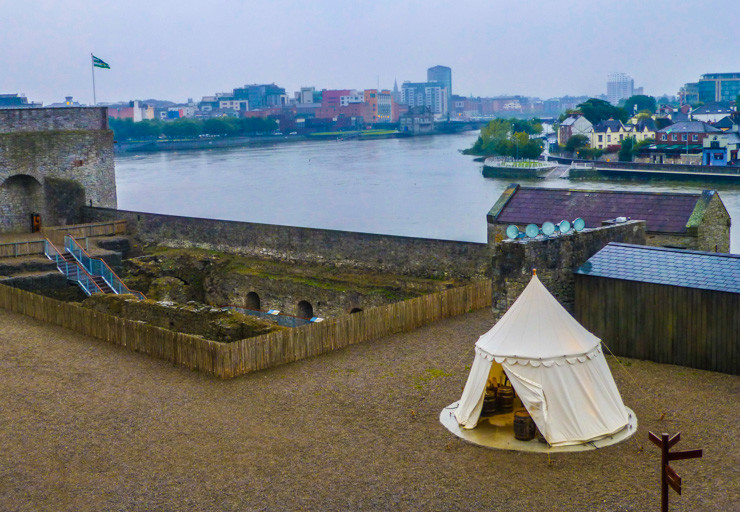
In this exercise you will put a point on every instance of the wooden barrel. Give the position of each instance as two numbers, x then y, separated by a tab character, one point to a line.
523	425
539	435
505	398
489	403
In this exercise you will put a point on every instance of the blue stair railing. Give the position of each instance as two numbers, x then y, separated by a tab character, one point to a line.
71	269
97	267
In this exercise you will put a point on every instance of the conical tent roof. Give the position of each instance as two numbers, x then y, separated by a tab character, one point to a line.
536	327
556	367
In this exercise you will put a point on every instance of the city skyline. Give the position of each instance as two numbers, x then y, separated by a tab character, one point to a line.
160	51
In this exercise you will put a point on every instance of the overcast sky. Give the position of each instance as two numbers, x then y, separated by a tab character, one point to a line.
174	50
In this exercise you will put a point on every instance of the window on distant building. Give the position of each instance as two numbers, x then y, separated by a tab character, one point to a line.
675	137
609	138
695	137
685	137
601	138
664	137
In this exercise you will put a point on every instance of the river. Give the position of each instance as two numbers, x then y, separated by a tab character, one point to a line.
421	187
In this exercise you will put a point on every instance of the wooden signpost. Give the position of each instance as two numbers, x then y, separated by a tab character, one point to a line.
668	474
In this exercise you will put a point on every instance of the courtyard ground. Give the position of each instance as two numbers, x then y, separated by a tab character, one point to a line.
89	426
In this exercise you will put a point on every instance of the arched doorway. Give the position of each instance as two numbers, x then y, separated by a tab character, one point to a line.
253	301
20	196
304	309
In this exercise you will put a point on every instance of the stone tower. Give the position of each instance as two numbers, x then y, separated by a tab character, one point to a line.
53	161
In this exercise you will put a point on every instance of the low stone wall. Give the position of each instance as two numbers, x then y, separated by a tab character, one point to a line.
555	260
199	320
419	257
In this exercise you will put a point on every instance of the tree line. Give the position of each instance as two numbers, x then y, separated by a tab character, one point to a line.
127	129
509	137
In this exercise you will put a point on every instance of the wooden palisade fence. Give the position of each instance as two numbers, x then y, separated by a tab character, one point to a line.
227	360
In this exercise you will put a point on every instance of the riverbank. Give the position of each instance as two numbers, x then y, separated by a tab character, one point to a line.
259	140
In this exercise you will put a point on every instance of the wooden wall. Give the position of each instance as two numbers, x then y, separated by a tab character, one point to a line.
665	324
226	360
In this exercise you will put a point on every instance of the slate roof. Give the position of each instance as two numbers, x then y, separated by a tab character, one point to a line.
713	108
612	124
663	212
724	123
672	267
689	127
568	121
648	123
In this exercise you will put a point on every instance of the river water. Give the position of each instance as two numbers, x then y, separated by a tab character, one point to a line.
421	187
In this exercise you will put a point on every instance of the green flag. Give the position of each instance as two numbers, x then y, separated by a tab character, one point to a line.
99	63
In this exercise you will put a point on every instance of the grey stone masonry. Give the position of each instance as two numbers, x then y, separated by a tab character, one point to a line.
72	145
555	259
420	257
53	119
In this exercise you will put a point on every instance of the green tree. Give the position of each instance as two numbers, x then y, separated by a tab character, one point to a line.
640	102
576	142
625	152
222	126
182	128
596	110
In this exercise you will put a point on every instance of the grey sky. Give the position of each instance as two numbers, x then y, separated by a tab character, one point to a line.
170	49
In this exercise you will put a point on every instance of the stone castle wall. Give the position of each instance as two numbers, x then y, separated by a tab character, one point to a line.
62	144
420	257
53	119
555	260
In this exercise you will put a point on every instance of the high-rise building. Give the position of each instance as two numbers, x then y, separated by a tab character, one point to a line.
425	94
619	86
719	87
443	75
261	96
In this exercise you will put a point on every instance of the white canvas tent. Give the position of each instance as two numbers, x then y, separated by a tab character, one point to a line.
556	367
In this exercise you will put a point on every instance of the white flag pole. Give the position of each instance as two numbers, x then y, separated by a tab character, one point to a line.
92	63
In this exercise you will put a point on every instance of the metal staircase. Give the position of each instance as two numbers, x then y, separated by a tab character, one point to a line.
91	274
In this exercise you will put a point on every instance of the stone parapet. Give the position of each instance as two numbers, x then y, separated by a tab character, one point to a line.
555	259
53	119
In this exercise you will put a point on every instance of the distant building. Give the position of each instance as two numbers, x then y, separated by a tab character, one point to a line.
380	106
609	134
696	221
689	93
719	87
619	86
721	149
261	96
574	124
441	75
16	101
432	95
711	112
69	101
417	120
130	110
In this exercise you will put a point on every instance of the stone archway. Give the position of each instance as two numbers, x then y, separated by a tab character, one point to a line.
20	196
304	309
253	301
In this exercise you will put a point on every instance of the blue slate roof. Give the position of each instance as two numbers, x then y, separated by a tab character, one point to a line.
672	267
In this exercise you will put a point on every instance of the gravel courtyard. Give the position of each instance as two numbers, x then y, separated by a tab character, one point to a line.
89	426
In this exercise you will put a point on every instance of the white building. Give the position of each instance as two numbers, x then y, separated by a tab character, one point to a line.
619	86
425	94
